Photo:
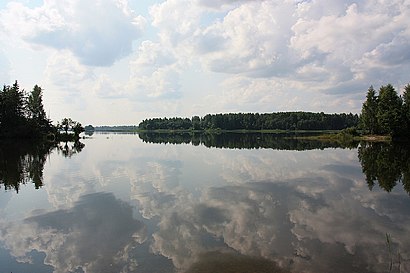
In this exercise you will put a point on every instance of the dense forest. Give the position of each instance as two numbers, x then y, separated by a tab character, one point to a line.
386	113
255	121
22	115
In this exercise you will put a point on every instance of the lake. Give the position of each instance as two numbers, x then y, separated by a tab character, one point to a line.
221	203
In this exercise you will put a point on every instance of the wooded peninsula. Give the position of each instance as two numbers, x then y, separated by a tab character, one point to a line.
22	116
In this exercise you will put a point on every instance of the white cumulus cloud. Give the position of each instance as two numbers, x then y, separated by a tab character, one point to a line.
98	33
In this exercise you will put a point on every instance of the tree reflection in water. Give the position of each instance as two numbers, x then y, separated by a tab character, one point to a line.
276	141
385	164
68	149
23	162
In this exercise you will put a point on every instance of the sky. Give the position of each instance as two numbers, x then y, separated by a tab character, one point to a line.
117	62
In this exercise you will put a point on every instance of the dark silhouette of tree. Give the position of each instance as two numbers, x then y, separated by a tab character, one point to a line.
12	102
386	113
369	110
406	108
35	112
77	128
22	115
67	124
35	105
389	111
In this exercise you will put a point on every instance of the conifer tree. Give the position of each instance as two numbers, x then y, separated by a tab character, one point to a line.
406	109
369	110
389	111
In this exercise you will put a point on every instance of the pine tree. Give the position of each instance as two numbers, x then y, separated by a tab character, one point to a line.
406	109
368	116
389	111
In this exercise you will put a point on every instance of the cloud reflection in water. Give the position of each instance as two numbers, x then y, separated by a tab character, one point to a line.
95	235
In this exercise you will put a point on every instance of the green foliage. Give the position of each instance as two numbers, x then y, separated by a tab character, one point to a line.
12	103
22	115
255	121
386	113
35	104
389	111
368	118
406	108
196	123
36	113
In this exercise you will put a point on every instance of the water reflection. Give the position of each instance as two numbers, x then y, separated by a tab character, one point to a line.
386	164
68	149
243	141
314	228
220	262
96	235
23	162
186	209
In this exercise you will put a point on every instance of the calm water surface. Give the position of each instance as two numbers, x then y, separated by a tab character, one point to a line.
123	203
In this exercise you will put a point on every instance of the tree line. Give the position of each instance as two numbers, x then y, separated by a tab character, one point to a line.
22	115
255	121
385	112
